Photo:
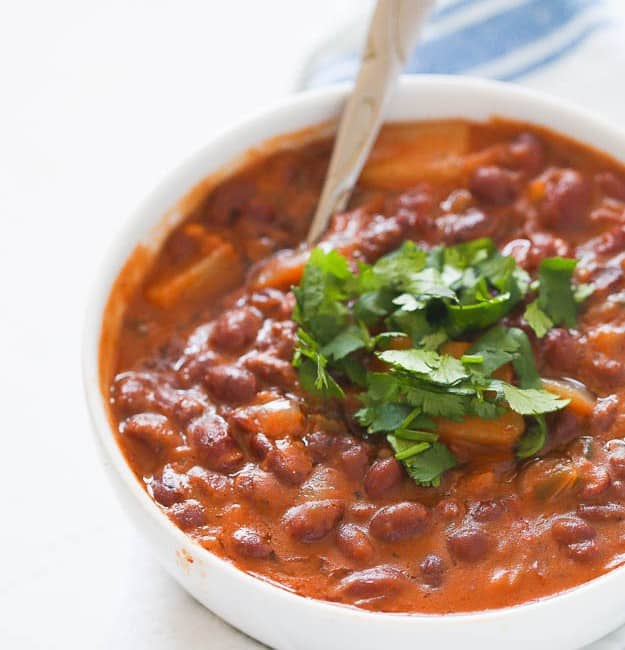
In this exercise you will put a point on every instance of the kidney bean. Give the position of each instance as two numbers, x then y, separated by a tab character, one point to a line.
567	199
610	242
249	542
493	185
210	437
262	488
290	462
378	581
278	338
572	530
153	429
260	445
561	349
528	153
231	383
320	444
381	235
187	406
604	414
312	521
602	512
582	551
611	185
616	461
489	510
399	521
354	542
270	369
457	228
361	511
169	487
271	302
469	544
188	515
519	249
355	461
432	570
236	329
211	484
135	391
383	476
596	480
448	508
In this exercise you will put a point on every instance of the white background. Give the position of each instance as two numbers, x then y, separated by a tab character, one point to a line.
98	100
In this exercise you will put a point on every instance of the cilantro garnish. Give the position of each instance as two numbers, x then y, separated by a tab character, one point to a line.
383	328
558	298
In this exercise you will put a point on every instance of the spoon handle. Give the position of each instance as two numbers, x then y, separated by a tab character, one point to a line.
392	33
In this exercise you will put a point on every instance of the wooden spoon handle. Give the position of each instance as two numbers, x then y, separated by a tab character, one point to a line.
392	34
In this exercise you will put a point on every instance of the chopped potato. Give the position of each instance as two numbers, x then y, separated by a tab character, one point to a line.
407	153
219	270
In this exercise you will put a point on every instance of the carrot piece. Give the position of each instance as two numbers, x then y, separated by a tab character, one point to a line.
219	270
503	431
282	271
455	348
582	401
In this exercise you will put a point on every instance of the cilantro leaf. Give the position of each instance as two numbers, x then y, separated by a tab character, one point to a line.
427	467
349	340
428	364
537	319
384	417
533	439
555	294
532	401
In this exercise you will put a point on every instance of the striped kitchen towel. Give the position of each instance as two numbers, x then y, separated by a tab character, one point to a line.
572	48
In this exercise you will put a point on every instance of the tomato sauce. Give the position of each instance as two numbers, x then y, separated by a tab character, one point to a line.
210	415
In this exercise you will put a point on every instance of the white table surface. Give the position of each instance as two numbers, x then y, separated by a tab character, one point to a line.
98	100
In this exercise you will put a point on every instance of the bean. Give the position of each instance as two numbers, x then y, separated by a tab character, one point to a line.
290	462
489	510
262	488
399	521
493	185
270	369
567	199
611	185
376	582
457	228
212	484
602	512
380	236
354	542
561	349
596	481
312	521
249	542
469	544
582	551
528	152
383	476
231	383
169	487
188	515
432	570
572	530
153	429
355	461
603	417
236	329
260	445
616	461
320	445
135	391
210	437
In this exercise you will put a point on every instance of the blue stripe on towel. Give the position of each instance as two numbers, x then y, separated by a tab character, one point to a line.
556	54
494	37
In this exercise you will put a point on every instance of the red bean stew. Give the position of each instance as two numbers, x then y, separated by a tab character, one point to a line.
425	414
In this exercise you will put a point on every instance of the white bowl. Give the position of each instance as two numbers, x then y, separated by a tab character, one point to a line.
268	613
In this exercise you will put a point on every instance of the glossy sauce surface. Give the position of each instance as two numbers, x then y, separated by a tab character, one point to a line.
213	422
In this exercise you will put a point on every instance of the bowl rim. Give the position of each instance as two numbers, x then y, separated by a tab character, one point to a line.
133	232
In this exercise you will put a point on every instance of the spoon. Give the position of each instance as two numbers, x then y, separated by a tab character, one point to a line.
392	34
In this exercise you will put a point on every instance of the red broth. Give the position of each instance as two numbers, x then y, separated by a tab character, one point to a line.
211	417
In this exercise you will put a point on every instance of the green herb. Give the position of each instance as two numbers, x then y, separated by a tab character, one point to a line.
349	320
558	297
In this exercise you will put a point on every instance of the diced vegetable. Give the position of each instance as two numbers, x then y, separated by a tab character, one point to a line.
503	431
